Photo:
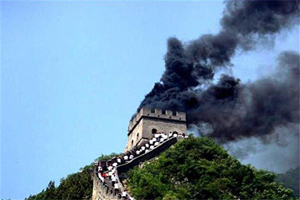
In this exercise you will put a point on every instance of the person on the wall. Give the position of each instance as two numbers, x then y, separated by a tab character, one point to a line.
113	178
124	194
116	187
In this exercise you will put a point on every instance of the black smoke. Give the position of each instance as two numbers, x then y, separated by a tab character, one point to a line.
252	18
232	110
235	110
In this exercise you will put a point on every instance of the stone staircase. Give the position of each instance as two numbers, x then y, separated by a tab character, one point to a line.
102	191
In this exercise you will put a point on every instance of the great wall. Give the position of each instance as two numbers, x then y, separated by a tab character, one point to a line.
150	132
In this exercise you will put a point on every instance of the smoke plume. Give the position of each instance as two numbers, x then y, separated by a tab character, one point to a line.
230	109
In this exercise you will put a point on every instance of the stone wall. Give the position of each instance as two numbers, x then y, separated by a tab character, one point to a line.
160	125
147	156
157	113
140	128
100	192
135	136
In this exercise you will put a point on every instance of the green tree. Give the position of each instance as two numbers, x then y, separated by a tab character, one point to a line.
50	192
198	168
74	186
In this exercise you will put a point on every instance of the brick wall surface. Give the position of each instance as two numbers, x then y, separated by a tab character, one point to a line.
146	120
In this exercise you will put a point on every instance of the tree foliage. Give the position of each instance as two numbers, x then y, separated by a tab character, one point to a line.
197	168
108	157
74	186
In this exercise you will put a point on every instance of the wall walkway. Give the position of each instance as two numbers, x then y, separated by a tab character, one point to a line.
102	192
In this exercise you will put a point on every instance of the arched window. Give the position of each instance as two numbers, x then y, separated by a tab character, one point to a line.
131	143
137	135
154	131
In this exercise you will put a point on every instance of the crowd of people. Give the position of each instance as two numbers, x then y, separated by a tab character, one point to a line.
107	170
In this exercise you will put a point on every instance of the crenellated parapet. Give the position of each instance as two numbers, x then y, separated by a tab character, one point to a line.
156	113
100	192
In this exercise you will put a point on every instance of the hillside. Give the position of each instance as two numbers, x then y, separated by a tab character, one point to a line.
195	168
290	179
74	186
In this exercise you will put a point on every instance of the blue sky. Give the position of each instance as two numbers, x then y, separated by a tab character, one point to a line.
73	73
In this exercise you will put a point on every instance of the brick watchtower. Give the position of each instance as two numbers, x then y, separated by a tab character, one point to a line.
149	121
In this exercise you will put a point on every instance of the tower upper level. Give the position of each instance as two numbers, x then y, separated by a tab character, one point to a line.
156	113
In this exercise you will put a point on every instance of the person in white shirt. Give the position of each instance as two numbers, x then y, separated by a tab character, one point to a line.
113	179
119	160
116	187
131	198
162	139
124	194
110	173
101	177
131	157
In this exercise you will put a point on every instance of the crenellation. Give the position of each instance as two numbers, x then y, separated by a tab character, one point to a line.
167	114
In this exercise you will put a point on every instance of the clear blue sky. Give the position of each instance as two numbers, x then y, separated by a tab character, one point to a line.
73	73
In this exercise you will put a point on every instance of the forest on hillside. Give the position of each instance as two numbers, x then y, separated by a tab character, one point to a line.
195	168
74	186
198	168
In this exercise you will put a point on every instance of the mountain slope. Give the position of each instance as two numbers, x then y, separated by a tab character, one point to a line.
197	168
290	179
74	186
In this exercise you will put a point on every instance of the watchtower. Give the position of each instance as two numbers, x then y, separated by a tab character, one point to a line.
149	121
